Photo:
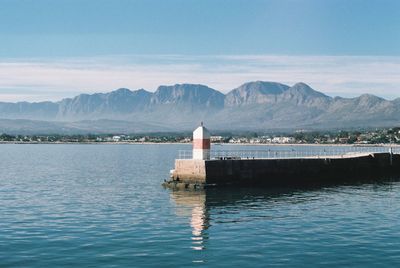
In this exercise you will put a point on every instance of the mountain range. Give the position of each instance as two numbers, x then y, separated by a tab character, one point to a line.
258	106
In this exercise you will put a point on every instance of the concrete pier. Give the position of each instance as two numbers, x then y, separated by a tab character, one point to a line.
281	168
284	172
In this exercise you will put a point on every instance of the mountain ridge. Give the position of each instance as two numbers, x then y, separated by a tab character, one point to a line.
252	105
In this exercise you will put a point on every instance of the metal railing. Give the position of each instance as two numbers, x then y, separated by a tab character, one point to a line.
292	153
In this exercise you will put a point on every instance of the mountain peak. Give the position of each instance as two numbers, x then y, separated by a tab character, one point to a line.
122	91
370	96
302	94
301	84
306	90
183	87
253	105
303	87
195	94
255	92
264	87
369	100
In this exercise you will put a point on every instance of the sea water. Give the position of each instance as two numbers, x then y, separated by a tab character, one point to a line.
103	206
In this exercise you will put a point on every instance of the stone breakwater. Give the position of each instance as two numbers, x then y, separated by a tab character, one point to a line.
194	173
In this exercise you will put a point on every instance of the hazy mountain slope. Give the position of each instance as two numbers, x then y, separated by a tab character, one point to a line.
290	107
255	92
120	102
364	110
197	96
254	105
302	95
24	110
103	126
182	105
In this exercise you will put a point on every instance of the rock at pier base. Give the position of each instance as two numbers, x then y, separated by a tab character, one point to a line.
178	185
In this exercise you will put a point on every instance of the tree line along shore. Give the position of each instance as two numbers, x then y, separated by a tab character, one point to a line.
367	137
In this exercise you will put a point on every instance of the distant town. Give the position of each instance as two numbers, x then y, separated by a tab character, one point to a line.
378	136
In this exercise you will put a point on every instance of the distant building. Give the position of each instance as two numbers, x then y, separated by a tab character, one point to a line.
255	140
238	140
217	139
186	140
116	138
283	140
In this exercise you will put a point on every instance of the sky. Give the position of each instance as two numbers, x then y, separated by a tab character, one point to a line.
55	49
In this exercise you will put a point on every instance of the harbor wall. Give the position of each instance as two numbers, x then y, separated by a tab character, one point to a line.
295	171
302	170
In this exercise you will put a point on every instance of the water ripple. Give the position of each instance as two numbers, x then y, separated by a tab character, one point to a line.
99	205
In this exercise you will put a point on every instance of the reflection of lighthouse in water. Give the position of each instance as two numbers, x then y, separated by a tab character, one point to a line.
198	223
192	205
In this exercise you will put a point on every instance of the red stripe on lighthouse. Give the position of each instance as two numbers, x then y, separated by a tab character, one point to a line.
201	144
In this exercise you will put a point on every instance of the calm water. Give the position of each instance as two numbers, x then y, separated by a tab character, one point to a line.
103	205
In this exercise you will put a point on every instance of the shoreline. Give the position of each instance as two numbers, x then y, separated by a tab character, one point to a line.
212	144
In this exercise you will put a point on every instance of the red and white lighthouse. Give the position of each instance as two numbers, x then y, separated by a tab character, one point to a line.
201	143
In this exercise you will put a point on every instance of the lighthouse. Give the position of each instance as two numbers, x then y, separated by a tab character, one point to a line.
201	143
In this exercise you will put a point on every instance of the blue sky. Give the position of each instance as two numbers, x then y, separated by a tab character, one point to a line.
53	49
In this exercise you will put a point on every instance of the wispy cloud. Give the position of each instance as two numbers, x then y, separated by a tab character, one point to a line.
40	79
